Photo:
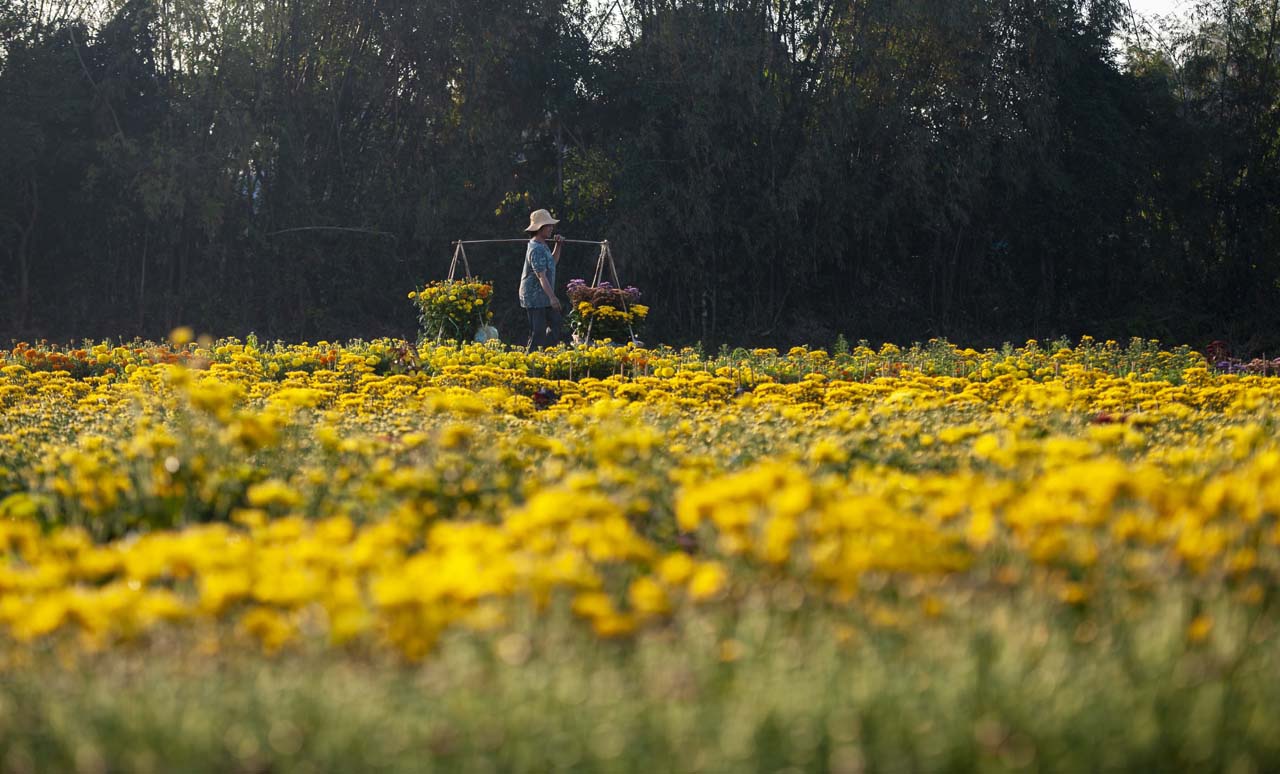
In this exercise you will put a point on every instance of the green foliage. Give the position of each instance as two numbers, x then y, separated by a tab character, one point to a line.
768	172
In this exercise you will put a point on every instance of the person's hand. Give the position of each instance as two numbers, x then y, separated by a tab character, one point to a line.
559	239
555	304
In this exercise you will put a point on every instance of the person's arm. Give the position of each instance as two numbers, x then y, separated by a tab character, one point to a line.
546	288
555	253
546	284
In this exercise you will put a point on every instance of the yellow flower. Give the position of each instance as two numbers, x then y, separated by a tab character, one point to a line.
44	616
273	492
675	568
270	627
648	597
1199	629
614	625
708	581
593	604
218	589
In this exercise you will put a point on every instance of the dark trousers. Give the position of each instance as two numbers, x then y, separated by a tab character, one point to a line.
544	327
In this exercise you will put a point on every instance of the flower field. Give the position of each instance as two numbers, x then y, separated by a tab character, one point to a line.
235	556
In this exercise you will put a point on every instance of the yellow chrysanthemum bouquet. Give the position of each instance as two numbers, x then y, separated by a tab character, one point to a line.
453	309
605	312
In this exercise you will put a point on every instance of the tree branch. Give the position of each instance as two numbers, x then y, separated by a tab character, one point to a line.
115	118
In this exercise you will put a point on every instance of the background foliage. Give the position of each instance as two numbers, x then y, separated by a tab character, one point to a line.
767	171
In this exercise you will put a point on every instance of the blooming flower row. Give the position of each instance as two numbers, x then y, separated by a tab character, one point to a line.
380	495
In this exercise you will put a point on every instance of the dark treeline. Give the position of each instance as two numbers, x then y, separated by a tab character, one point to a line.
769	171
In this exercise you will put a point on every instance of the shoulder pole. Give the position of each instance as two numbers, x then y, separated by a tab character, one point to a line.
522	241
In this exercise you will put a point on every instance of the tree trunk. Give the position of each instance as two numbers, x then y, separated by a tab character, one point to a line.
22	317
142	283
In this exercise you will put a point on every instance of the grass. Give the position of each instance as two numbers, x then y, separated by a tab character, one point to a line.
1003	684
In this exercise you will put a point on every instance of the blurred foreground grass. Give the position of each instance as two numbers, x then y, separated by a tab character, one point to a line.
1009	685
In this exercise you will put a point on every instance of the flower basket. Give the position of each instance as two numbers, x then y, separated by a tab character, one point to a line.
453	309
605	312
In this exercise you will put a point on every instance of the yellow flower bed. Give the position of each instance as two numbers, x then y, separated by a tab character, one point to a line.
380	495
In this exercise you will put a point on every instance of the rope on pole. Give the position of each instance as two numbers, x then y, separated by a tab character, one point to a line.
606	259
458	254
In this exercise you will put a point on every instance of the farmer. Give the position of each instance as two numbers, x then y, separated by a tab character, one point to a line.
538	281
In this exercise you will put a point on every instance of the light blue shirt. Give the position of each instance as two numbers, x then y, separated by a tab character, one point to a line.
536	258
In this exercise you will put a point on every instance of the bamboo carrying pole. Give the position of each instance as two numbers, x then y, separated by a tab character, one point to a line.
496	241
